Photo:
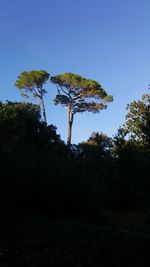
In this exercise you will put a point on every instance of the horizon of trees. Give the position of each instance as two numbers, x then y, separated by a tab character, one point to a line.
40	172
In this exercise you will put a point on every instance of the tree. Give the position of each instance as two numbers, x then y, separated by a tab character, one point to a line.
32	157
79	94
132	151
98	146
137	122
19	130
101	140
32	83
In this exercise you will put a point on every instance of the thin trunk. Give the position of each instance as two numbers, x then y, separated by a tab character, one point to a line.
43	111
70	122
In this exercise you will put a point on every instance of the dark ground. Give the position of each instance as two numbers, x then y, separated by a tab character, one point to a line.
31	240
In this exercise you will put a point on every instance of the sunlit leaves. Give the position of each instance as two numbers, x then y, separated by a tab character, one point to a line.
138	119
31	83
79	93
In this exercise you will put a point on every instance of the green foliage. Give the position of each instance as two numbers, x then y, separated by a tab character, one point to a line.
101	140
132	154
79	93
32	84
97	147
39	172
138	120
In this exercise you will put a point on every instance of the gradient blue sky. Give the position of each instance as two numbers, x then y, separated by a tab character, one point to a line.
105	40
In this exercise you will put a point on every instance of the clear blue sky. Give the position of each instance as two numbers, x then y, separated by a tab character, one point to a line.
105	40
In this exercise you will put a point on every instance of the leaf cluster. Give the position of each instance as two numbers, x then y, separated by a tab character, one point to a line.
32	83
80	94
138	119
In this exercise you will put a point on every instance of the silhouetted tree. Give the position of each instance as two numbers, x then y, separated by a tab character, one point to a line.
131	159
28	152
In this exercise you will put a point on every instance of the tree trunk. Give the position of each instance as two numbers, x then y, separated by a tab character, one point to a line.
70	122
43	111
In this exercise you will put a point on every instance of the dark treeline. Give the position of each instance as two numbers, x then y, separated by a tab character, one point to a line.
40	173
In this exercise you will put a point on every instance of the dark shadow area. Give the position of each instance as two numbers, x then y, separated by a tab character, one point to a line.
82	205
